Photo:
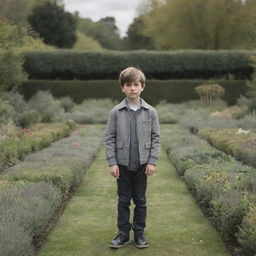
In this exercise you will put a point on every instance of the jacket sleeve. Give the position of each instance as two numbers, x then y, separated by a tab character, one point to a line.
155	139
110	139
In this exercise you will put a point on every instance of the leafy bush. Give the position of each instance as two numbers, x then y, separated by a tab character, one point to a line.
47	106
246	235
247	122
91	111
228	209
195	120
169	113
7	112
67	103
28	118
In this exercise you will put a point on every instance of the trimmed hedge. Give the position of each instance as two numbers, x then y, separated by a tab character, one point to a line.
41	135
182	64
175	91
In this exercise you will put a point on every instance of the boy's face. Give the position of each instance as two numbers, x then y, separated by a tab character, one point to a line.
133	90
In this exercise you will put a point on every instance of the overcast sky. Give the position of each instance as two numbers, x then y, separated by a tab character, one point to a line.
123	11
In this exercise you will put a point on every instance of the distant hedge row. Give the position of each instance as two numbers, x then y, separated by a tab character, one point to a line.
174	91
189	64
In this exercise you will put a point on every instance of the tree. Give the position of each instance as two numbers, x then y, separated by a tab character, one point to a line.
104	31
11	61
136	37
54	24
202	24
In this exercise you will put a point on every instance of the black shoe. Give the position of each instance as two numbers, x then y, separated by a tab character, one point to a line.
140	241
119	241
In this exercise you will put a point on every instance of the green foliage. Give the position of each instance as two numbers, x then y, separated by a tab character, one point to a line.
229	209
49	108
238	143
63	64
63	164
17	146
7	112
86	43
247	232
67	103
58	29
200	24
91	111
18	223
11	61
104	31
136	38
28	118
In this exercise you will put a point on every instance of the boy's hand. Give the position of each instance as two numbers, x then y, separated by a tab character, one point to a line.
150	168
114	171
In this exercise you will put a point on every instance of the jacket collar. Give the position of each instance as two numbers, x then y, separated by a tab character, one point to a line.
123	104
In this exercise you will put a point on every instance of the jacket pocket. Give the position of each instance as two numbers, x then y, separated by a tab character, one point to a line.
119	150
148	145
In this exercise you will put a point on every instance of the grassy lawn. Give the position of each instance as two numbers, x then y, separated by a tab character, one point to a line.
175	224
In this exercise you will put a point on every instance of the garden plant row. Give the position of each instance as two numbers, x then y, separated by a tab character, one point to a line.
237	142
223	185
32	190
17	146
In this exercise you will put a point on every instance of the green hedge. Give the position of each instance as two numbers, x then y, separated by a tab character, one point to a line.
175	91
66	64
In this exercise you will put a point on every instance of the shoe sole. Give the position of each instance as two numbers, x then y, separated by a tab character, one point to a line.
118	246
142	246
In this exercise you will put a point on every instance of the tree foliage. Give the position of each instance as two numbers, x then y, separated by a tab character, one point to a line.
11	60
201	24
104	31
56	26
136	37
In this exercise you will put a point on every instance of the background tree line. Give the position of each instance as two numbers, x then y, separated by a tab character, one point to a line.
194	24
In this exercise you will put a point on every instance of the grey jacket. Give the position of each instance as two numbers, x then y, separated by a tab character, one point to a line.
117	140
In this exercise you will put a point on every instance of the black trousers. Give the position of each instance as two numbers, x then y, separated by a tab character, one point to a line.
131	185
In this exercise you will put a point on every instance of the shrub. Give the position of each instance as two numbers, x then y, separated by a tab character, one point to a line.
67	103
169	113
91	111
7	112
246	235
18	223
46	105
247	122
16	100
228	209
28	118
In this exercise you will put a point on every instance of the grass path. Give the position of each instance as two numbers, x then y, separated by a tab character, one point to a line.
175	224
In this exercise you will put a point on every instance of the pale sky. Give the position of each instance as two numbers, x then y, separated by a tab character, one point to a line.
123	10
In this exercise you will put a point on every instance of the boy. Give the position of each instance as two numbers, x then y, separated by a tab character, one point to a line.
132	148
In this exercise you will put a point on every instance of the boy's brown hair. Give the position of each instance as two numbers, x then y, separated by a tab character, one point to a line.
130	75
